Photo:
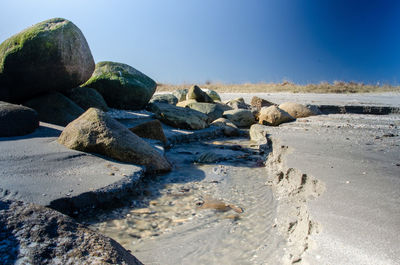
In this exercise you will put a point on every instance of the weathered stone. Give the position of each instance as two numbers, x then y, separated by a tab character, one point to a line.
257	103
212	94
34	234
273	116
17	120
185	103
96	132
122	86
180	94
213	111
151	129
199	95
164	98
55	108
86	97
178	117
240	117
296	110
237	103
229	128
258	133
51	55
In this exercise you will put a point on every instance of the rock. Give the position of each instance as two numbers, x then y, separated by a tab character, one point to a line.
258	133
296	110
55	108
199	95
96	132
229	128
180	94
212	94
314	109
51	55
16	120
86	97
164	98
213	111
237	103
151	129
122	86
184	103
178	117
34	234
208	157
257	103
240	117
273	116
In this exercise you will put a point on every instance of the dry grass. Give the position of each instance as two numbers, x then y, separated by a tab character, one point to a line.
323	87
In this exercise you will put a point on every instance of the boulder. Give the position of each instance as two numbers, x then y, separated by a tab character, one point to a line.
178	117
237	103
240	117
151	129
16	120
199	95
257	103
96	132
122	86
180	94
212	94
33	234
164	98
55	108
229	128
185	103
213	111
86	97
273	116
51	55
296	110
258	133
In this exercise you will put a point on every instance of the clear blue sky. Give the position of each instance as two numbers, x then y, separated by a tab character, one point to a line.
230	40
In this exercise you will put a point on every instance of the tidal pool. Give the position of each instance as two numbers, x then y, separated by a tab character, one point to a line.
213	208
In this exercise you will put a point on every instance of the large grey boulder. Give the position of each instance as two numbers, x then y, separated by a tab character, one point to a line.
178	117
199	95
51	55
86	97
122	86
17	120
55	108
164	98
96	132
296	110
212	94
213	111
273	116
33	234
237	103
240	117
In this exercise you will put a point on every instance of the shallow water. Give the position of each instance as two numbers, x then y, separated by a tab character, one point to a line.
221	212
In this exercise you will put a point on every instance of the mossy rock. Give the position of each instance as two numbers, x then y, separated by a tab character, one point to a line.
199	95
212	94
86	97
240	117
51	55
164	98
55	108
122	86
180	94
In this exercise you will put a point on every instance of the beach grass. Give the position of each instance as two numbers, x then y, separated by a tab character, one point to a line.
323	87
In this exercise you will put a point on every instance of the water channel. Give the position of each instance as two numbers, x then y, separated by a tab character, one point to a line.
213	208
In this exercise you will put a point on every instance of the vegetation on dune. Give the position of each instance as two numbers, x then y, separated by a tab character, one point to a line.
323	87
